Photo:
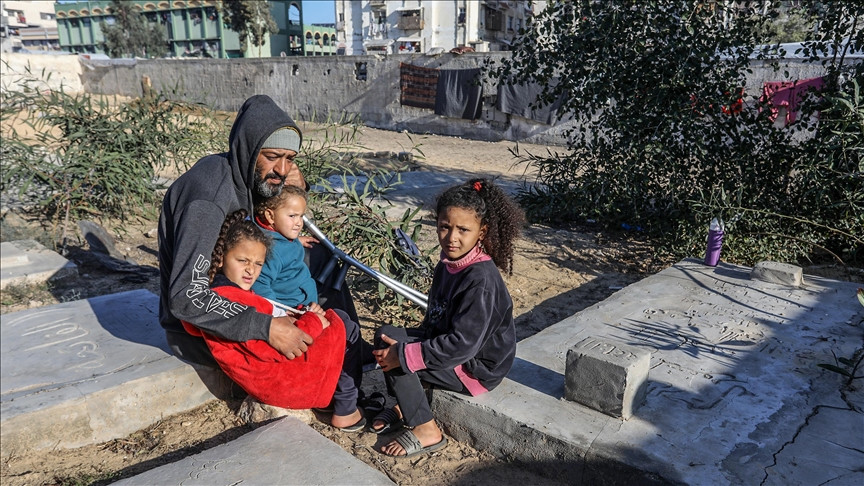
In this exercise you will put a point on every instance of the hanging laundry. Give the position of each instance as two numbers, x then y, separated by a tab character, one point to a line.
418	86
460	93
517	99
788	95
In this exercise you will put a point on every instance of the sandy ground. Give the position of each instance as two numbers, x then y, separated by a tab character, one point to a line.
557	272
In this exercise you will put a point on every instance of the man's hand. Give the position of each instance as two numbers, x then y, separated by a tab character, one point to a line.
287	338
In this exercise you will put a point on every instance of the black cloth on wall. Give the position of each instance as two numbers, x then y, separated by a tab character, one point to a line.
516	99
460	93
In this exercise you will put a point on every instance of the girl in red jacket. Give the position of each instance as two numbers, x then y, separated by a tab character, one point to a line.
308	381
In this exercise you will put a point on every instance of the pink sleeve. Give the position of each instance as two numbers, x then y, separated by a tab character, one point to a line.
414	357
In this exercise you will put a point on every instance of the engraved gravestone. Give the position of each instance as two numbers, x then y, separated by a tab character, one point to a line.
89	370
609	377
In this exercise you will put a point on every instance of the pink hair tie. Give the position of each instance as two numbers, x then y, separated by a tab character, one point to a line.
477	186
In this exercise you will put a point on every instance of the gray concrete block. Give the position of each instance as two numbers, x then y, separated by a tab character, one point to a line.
608	377
92	370
779	273
283	452
28	262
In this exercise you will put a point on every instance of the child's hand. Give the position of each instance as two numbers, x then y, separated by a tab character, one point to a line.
325	323
316	309
388	358
307	241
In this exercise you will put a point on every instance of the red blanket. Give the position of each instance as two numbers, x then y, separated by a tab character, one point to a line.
304	382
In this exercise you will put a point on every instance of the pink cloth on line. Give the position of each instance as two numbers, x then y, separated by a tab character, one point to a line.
789	94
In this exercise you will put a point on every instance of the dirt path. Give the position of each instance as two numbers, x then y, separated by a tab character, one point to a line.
556	273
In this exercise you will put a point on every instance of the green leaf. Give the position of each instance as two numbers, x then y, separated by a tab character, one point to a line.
834	368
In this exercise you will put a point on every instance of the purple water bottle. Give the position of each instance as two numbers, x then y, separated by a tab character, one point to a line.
715	243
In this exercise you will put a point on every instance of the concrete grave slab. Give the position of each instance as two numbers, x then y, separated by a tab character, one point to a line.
92	370
28	262
286	451
735	395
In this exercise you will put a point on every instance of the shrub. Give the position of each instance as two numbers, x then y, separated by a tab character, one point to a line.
662	142
78	155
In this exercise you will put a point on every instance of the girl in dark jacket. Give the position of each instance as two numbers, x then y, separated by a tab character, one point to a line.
467	341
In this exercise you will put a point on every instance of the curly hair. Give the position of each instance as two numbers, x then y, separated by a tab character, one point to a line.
495	209
235	230
277	200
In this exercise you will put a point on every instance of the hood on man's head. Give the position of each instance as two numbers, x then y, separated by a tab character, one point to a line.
257	120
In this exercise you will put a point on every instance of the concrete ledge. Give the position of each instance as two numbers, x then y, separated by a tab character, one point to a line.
27	262
779	273
608	377
538	446
92	370
283	452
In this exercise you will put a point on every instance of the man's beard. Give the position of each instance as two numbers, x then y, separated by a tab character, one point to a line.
266	189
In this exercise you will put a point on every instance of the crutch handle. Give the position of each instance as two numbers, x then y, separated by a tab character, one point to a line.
340	277
325	272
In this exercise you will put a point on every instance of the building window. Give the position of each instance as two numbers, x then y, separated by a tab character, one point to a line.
460	19
46	16
411	20
360	71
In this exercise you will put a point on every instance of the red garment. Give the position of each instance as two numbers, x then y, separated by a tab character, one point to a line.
304	382
788	94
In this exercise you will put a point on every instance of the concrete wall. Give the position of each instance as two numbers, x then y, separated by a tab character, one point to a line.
315	88
64	69
318	87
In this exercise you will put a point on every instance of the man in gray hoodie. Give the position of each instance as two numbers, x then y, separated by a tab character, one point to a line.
192	213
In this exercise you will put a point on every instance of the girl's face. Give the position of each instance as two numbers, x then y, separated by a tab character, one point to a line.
459	230
242	264
287	219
